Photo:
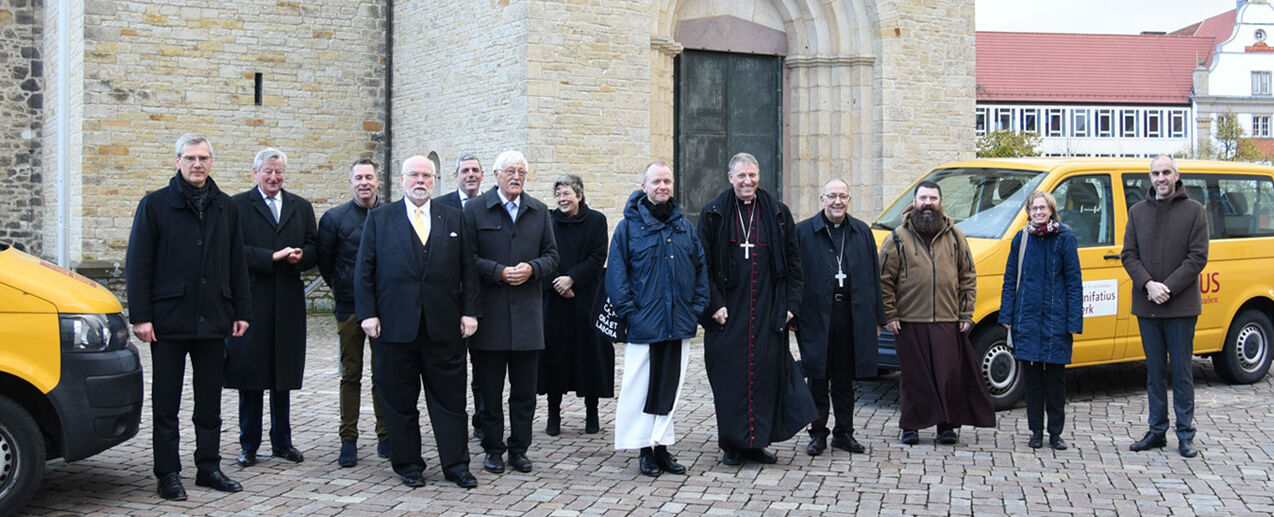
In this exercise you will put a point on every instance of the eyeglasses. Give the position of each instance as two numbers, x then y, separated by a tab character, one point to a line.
1038	209
420	175
511	171
840	197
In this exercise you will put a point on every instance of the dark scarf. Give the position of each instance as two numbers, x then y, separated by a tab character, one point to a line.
196	197
1041	230
661	211
665	376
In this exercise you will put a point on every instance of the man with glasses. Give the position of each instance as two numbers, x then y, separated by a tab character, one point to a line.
515	249
841	313
280	242
1165	249
416	296
468	176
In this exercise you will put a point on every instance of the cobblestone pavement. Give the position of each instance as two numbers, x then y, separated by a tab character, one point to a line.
991	471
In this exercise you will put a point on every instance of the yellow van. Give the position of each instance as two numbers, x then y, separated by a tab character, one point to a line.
70	382
985	198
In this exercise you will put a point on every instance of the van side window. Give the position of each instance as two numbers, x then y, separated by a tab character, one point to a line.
1085	204
1245	205
1221	197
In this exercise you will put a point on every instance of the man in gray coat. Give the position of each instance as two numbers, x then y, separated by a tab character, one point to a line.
514	250
1165	249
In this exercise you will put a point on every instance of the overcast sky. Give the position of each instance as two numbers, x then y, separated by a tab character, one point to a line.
1095	16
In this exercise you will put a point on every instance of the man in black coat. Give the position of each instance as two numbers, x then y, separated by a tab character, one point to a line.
468	177
280	241
842	312
515	250
416	296
187	291
340	231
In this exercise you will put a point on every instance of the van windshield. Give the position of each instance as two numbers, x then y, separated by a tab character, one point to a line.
981	201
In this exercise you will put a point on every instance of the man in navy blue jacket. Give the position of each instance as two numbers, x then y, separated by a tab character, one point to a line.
187	291
661	301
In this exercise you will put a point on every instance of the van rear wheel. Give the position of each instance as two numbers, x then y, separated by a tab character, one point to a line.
1246	356
21	457
999	368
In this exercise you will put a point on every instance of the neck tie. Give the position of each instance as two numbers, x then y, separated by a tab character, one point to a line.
421	224
274	207
513	210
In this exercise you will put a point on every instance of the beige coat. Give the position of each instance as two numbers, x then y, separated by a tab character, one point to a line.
930	284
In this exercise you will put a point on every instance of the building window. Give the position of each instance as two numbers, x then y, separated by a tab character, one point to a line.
1260	126
1128	123
1003	119
1105	123
1079	123
1177	124
1154	123
1053	122
1031	121
1260	83
979	121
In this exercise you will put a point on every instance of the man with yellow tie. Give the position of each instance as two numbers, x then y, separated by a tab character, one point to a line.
412	262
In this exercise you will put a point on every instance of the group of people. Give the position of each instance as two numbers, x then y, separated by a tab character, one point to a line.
499	279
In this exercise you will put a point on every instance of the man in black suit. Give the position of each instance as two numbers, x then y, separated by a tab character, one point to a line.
468	176
515	249
187	291
280	241
412	262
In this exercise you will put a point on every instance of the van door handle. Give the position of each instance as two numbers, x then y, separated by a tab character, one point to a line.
1110	256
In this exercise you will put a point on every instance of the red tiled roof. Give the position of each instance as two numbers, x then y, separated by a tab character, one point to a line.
1088	68
1218	27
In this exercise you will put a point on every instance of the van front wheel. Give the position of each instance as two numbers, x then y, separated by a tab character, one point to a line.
21	457
999	368
1246	356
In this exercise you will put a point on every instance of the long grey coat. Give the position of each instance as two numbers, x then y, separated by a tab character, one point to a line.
271	354
512	316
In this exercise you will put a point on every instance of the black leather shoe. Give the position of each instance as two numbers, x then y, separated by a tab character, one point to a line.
291	454
217	481
667	462
1057	443
519	462
761	456
494	463
414	480
646	463
1187	449
731	458
817	445
848	444
1036	441
1150	441
909	437
170	487
247	458
349	454
948	437
461	477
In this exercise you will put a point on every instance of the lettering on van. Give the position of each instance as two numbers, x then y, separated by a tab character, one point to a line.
1101	298
1209	283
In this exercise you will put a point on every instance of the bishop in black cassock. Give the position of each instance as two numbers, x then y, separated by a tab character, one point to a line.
754	274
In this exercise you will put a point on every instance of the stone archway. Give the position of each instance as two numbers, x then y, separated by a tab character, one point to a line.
831	114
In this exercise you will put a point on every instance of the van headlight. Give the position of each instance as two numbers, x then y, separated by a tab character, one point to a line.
93	332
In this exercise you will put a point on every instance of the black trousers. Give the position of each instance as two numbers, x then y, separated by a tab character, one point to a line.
251	411
477	397
399	372
167	374
838	378
489	370
1045	392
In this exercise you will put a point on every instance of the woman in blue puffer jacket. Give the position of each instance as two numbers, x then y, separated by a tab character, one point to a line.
1043	313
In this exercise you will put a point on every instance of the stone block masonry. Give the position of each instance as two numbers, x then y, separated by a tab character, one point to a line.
22	108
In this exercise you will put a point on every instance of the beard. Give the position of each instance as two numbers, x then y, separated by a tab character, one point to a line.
928	220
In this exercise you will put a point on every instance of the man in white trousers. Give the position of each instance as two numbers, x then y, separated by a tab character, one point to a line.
658	284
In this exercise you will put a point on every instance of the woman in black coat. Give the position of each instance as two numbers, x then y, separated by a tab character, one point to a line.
574	358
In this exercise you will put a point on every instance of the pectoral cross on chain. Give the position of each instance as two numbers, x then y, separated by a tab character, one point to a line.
746	248
840	278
